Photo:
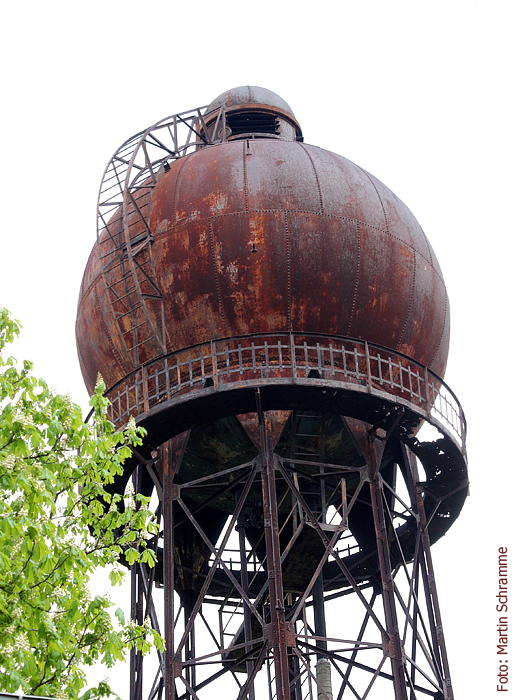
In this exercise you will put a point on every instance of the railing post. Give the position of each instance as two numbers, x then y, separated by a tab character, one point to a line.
145	390
368	367
167	379
213	348
427	392
293	356
462	431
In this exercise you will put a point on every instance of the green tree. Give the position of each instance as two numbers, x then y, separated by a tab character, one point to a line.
57	525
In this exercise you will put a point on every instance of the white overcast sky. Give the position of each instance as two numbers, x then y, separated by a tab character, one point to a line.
421	94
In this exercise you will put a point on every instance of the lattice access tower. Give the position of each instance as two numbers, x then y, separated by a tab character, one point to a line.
276	319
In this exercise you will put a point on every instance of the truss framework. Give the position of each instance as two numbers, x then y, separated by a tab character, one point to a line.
238	628
124	238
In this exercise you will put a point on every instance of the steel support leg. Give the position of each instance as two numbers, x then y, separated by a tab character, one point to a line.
427	570
137	604
168	567
278	627
371	445
244	580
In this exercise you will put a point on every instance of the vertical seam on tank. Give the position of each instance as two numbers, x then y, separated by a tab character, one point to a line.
430	256
316	178
411	304
246	190
355	293
289	282
214	260
446	312
174	214
378	195
81	360
108	334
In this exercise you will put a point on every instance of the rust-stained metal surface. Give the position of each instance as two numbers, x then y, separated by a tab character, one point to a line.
250	96
264	235
276	319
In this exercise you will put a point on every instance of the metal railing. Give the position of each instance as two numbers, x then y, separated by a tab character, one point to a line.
289	358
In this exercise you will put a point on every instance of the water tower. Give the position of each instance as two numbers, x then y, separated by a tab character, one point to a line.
277	320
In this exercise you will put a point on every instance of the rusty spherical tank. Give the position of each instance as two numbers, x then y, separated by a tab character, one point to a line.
250	231
262	232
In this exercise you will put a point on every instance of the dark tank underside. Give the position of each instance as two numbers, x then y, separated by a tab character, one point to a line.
319	452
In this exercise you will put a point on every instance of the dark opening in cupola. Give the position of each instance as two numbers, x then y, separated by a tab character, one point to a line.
252	123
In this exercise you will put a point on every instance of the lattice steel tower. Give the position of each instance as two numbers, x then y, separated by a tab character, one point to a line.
276	319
